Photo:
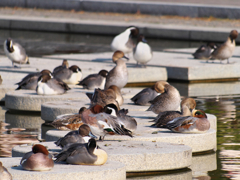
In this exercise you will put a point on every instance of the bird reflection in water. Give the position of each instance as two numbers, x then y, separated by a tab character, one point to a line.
11	137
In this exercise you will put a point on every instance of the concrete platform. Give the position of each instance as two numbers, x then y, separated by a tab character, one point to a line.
64	171
29	100
198	142
138	156
50	110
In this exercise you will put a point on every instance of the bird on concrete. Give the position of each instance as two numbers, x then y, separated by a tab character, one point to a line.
142	53
187	106
50	86
225	50
83	154
123	41
15	52
204	51
38	159
71	75
189	124
93	81
30	81
168	100
117	76
82	135
145	96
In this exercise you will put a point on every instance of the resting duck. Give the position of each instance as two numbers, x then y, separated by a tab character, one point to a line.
81	136
38	159
117	76
204	51
93	81
145	96
123	42
188	124
15	52
67	122
225	50
187	105
102	123
50	86
83	154
30	81
71	75
103	97
4	173
168	100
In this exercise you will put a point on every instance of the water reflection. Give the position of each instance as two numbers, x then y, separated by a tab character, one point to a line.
10	137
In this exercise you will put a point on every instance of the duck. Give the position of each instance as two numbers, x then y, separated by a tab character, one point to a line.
50	86
204	51
81	136
4	173
71	75
38	159
187	106
83	154
128	122
142	53
63	66
103	97
30	81
15	52
225	50
67	121
145	96
168	100
119	97
101	123
117	76
190	124
123	41
94	81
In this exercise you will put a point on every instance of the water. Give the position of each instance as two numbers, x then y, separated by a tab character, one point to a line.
222	104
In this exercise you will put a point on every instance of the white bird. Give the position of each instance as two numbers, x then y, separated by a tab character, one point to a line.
15	52
142	53
123	42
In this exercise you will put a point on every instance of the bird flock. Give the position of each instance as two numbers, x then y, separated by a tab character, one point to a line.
104	116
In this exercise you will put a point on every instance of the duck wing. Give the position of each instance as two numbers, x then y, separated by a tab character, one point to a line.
183	122
111	124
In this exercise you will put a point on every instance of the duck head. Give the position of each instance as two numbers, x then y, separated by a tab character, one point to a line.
199	114
9	44
233	35
96	109
84	130
44	78
134	30
75	69
160	86
103	73
38	148
118	55
65	63
111	109
141	38
189	102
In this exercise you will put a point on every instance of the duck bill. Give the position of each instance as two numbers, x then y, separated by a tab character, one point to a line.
91	135
126	58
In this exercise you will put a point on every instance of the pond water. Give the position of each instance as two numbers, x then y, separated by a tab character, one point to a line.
224	164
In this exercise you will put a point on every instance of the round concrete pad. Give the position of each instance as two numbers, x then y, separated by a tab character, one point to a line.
138	156
50	110
29	100
198	142
65	171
